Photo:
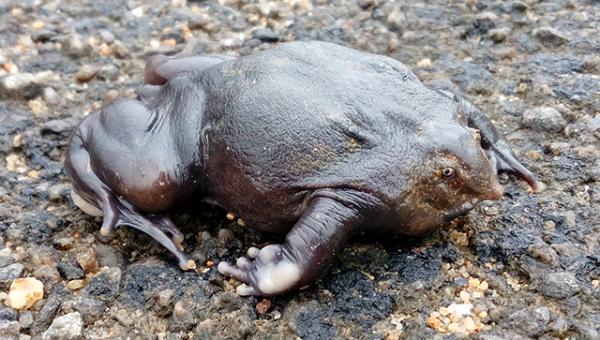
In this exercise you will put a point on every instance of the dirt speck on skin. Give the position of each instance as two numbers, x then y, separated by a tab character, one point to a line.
526	266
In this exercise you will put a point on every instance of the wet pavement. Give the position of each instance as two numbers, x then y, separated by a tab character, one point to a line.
526	266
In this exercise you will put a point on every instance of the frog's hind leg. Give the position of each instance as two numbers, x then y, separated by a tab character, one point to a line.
95	197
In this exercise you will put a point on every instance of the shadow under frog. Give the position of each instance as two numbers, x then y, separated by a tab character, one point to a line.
309	139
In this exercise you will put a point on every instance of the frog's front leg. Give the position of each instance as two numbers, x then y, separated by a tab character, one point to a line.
308	249
160	69
495	145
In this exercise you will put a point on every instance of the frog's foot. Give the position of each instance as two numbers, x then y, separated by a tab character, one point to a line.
167	227
268	271
116	212
160	228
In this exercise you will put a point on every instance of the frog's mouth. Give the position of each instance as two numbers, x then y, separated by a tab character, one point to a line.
459	211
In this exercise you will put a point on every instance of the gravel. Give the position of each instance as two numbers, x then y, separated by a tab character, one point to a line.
531	322
68	326
9	273
70	270
559	285
526	266
89	309
544	119
46	314
9	329
550	36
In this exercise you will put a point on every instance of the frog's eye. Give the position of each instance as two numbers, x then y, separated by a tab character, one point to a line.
448	172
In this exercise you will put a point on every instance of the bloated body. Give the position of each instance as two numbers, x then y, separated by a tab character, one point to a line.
309	139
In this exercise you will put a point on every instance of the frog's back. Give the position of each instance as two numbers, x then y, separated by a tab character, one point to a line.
287	102
303	115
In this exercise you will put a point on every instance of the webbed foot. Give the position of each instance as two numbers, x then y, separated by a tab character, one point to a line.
329	220
116	212
268	271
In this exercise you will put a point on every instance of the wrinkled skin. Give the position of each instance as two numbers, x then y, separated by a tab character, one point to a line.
308	139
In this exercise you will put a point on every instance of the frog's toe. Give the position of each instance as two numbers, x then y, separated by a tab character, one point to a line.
168	227
270	272
253	252
243	263
246	290
147	92
233	271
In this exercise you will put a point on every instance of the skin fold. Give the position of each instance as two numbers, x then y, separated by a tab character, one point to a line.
308	139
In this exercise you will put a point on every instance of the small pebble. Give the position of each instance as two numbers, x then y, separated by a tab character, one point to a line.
9	329
55	192
70	270
47	273
68	326
469	324
74	46
111	95
88	261
544	119
51	96
9	273
19	86
263	306
24	293
122	316
108	72
76	284
425	62
199	21
225	236
544	253
559	285
498	35
86	73
26	319
183	313
550	36
165	297
265	35
7	313
63	243
107	36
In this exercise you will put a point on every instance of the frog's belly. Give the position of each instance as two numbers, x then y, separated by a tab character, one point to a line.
263	204
266	212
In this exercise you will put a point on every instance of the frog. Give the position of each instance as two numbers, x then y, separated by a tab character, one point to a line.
310	140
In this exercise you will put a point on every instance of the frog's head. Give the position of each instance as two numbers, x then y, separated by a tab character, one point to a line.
453	175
